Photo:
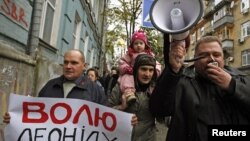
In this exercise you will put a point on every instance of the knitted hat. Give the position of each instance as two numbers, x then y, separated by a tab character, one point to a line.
140	34
144	59
141	60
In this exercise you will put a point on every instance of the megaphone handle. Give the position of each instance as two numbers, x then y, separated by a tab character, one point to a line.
166	46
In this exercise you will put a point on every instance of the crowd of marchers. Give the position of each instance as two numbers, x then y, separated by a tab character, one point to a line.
204	94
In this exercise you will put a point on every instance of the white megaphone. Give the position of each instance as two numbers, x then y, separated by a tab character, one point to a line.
176	17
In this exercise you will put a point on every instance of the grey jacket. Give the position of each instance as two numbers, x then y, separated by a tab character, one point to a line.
145	129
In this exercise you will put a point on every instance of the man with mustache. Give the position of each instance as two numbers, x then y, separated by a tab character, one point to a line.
207	93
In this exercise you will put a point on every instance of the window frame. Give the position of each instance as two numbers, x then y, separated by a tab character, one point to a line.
76	31
54	23
245	29
245	56
242	7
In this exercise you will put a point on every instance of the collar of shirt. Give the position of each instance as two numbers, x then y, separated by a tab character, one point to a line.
80	82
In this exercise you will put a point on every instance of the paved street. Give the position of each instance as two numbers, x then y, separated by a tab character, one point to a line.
161	131
1	132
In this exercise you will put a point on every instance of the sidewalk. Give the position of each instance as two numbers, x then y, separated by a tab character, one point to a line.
1	132
161	131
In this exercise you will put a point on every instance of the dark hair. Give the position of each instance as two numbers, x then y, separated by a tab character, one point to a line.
116	69
95	71
207	39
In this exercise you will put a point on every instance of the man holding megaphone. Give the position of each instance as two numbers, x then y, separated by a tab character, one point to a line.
202	99
205	98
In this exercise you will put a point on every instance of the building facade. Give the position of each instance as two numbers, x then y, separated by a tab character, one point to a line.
34	35
230	21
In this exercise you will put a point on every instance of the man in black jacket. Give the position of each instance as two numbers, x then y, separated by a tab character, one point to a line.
202	95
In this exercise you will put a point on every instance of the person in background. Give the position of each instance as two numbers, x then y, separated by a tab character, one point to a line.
84	73
139	45
93	75
204	94
104	78
72	84
145	75
110	83
96	67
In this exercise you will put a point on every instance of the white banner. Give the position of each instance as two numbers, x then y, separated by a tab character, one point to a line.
64	119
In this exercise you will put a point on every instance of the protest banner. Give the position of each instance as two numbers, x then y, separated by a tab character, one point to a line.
61	119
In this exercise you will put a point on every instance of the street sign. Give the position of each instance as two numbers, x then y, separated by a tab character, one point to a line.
146	22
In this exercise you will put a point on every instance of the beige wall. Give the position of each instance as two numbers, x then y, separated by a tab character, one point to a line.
20	74
16	76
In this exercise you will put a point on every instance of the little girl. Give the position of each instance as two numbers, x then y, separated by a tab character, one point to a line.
138	45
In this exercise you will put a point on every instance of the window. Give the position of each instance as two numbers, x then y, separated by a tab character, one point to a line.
92	3
217	2
50	18
218	15
76	31
246	58
220	34
93	56
86	44
202	31
90	55
193	38
96	10
245	29
226	33
244	5
88	49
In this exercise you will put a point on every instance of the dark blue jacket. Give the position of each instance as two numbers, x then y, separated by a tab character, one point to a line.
84	89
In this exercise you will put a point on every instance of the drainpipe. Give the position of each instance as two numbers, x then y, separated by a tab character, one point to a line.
33	40
103	47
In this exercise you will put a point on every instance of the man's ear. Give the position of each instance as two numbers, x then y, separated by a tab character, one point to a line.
86	65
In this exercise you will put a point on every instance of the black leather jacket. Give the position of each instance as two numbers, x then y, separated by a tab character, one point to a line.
194	103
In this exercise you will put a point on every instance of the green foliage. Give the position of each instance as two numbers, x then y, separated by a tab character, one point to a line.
155	39
123	16
122	20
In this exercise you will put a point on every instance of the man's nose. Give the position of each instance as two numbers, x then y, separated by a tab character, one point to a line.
212	58
147	73
68	65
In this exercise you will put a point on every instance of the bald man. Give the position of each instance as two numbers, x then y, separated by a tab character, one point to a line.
72	84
